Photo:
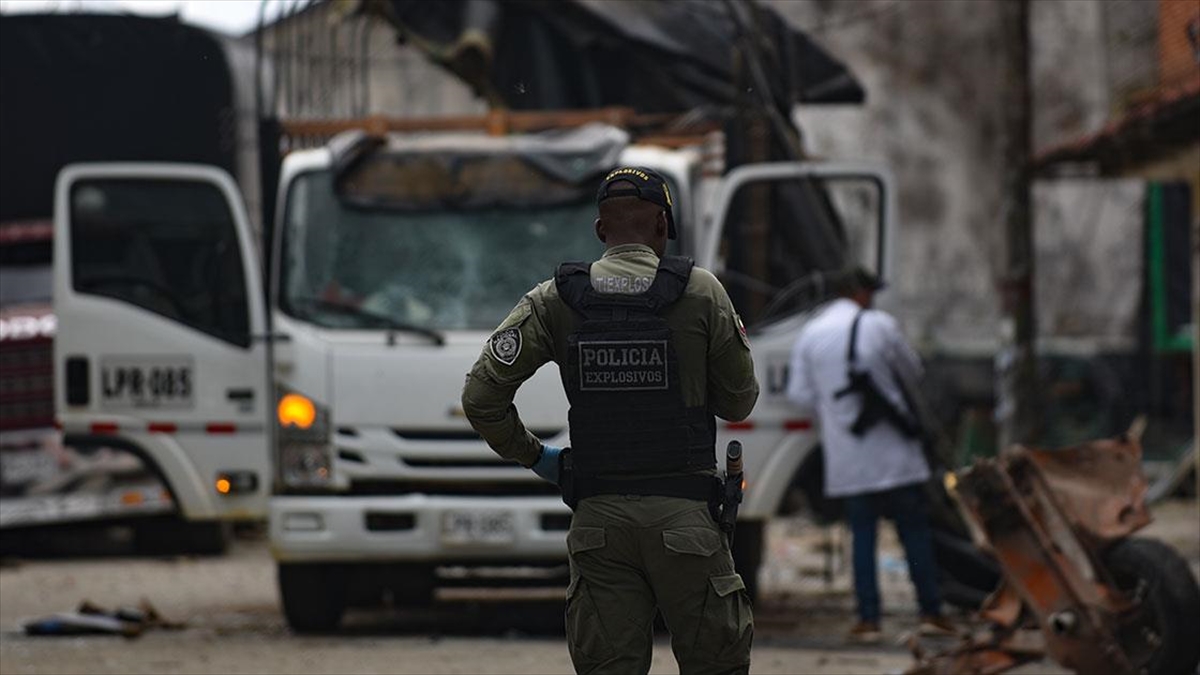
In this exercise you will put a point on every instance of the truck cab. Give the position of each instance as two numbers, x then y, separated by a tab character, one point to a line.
42	480
331	400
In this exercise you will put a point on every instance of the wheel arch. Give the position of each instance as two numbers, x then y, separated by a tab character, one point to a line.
185	488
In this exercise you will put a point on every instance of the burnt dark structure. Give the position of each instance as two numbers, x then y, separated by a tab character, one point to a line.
651	55
99	87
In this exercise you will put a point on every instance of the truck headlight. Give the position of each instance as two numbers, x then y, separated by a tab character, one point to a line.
303	436
305	464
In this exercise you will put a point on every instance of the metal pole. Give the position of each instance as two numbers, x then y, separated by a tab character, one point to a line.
1196	351
1017	411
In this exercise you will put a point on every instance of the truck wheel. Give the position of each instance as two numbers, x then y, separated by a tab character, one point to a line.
748	553
1159	633
313	595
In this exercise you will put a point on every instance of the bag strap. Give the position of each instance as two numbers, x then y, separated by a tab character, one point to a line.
851	352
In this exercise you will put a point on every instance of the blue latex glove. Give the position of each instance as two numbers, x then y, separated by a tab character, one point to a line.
546	465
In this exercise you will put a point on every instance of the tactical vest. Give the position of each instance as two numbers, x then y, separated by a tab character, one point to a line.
621	376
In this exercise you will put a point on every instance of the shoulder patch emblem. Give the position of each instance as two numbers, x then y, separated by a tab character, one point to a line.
506	345
741	329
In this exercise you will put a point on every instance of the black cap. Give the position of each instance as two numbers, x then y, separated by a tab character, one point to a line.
648	185
859	278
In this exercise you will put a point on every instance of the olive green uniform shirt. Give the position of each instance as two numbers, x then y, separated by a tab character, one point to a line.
714	356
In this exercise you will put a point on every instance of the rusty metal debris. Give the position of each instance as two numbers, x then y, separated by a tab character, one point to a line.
1077	588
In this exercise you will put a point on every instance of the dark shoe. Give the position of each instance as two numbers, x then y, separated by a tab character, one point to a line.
936	625
865	633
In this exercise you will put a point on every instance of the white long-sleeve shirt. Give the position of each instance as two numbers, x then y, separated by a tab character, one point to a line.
883	457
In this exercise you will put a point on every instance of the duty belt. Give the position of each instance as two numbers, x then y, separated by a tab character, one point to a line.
698	487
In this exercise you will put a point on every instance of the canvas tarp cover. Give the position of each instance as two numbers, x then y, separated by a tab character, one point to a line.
98	87
462	171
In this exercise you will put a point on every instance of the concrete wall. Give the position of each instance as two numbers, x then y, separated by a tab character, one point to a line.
1089	247
933	73
1070	63
326	65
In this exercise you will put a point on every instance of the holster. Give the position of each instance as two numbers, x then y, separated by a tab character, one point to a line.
716	500
566	478
731	499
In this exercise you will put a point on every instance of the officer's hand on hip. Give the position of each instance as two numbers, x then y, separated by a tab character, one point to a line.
546	465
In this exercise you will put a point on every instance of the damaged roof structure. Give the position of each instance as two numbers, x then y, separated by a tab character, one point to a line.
650	55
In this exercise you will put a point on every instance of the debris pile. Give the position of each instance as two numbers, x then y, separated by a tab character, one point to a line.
91	619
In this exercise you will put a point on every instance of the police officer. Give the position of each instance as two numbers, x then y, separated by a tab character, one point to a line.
649	349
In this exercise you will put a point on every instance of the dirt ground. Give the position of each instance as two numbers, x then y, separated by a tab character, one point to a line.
234	623
235	626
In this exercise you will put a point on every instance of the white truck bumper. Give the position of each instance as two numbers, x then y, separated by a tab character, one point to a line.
415	528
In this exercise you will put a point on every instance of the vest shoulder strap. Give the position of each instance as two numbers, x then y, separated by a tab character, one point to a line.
574	282
670	281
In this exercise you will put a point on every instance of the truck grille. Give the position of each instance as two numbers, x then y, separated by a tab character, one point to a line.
26	384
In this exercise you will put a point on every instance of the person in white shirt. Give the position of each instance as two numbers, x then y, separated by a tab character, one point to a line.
873	456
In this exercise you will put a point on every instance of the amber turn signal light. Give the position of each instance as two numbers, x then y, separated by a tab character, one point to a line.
296	410
235	482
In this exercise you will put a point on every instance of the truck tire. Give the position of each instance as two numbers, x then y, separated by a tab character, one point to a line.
748	553
1159	633
313	596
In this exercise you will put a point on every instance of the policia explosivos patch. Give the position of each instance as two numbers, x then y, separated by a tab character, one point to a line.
506	345
623	365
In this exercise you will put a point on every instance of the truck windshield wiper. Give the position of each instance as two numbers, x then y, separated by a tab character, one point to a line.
387	321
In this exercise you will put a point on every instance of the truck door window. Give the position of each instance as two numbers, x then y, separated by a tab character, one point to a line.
782	236
167	246
857	205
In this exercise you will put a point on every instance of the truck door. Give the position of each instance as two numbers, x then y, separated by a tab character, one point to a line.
161	322
773	229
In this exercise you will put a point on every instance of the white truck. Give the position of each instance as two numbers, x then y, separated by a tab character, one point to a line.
326	390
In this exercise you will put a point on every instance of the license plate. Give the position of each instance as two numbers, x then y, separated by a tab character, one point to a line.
478	527
146	382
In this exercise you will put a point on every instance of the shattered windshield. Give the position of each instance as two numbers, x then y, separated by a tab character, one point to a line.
435	269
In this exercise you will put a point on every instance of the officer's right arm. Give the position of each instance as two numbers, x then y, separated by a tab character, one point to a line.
518	347
732	387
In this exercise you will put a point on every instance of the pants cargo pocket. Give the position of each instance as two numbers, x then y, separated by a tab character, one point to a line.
727	625
587	639
699	541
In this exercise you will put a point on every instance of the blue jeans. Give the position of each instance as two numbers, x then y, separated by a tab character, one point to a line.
906	507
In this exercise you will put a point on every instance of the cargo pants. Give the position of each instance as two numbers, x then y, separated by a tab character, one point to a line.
632	554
